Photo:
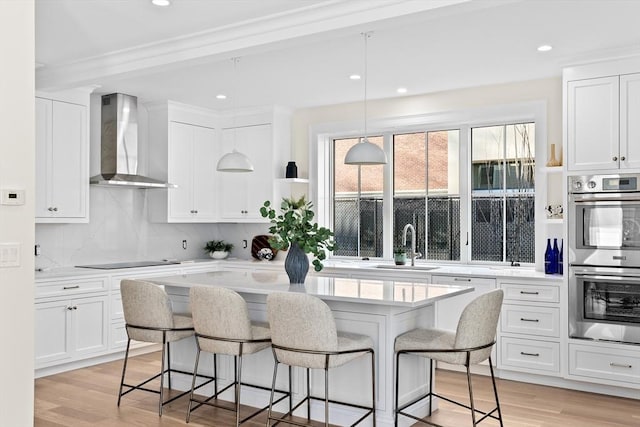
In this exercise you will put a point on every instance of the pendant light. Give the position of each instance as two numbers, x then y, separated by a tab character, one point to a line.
365	152
234	161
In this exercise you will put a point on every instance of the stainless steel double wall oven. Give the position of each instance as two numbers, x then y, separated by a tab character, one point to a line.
604	257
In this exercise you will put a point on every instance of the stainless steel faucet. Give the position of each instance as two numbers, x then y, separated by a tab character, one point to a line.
413	241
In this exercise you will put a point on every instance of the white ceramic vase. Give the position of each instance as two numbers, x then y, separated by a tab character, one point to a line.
218	254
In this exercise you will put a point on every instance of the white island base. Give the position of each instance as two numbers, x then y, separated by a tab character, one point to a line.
379	309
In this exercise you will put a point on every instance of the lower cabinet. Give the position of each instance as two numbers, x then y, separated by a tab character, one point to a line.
529	330
606	364
69	329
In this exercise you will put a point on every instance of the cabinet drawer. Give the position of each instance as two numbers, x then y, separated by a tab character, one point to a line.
521	319
70	287
530	354
603	363
535	293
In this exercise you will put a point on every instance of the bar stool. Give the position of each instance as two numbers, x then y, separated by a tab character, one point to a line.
222	326
149	318
304	334
470	344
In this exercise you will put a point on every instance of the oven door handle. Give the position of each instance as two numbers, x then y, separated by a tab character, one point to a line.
616	277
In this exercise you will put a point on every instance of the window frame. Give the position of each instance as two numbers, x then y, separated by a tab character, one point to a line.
321	166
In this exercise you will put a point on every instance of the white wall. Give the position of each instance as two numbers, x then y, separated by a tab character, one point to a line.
17	159
548	90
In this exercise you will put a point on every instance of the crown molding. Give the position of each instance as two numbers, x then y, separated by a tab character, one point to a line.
223	42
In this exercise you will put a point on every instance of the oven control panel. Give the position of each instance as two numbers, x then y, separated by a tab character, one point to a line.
604	183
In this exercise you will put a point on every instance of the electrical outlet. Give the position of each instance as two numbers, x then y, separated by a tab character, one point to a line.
184	244
38	251
244	244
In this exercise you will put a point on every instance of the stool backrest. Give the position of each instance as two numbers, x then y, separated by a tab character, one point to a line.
304	322
219	312
145	304
478	323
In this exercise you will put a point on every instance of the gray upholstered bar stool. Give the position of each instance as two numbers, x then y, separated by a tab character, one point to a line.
304	334
470	344
149	318
222	326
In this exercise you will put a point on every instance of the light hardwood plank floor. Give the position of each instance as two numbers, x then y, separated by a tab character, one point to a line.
87	397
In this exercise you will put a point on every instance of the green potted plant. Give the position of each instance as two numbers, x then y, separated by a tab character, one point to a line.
293	229
218	249
400	255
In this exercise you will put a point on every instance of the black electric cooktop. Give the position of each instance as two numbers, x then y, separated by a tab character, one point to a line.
131	264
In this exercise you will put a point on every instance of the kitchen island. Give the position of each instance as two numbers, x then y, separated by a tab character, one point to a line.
381	309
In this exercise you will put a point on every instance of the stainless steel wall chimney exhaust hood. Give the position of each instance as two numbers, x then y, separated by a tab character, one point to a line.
119	145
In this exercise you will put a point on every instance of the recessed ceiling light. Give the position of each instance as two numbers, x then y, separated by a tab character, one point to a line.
544	48
221	96
401	90
161	2
354	76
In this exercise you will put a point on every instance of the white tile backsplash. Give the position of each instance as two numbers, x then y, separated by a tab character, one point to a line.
119	230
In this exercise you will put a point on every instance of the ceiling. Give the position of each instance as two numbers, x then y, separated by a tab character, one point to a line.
300	53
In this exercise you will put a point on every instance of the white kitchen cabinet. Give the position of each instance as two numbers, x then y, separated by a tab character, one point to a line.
70	329
192	151
183	141
241	195
603	132
530	327
607	364
448	311
62	162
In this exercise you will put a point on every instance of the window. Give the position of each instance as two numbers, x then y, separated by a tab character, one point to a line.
357	204
469	192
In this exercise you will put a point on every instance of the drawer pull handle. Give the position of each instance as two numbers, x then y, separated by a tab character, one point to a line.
529	320
530	354
620	365
71	287
460	279
529	293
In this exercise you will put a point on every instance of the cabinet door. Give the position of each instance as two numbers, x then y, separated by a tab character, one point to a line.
204	171
180	171
43	157
52	332
448	311
593	124
242	194
630	121
62	180
90	325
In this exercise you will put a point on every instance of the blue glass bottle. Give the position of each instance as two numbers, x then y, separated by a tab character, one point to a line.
555	254
559	270
548	259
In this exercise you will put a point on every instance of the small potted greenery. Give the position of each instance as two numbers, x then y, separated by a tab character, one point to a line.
293	229
218	249
400	255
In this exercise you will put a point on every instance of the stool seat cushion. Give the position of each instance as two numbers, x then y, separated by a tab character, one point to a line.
259	331
180	321
431	339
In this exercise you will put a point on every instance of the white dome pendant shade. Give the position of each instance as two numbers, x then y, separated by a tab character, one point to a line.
365	152
234	161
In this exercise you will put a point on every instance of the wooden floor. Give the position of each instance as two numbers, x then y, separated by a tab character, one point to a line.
87	397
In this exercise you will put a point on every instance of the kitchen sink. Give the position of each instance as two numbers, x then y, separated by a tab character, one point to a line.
406	267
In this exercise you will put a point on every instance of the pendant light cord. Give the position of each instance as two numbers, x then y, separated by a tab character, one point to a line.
366	36
235	98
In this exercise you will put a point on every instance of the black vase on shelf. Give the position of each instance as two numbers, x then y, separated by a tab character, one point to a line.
292	170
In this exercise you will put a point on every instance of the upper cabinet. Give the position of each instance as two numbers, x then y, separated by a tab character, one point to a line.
184	142
62	159
264	138
603	130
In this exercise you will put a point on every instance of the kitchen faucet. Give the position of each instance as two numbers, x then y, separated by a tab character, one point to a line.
413	241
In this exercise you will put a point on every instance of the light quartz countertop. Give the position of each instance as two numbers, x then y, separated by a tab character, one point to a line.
365	291
331	266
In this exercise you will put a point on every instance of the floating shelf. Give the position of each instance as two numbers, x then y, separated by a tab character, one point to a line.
294	180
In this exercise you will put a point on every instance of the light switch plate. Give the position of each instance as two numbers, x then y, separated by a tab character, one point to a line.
11	197
9	255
